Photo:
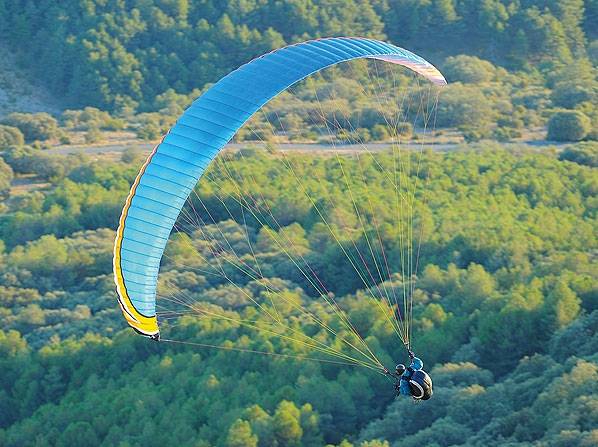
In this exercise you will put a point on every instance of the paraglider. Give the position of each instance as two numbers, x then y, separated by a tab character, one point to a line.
412	381
176	164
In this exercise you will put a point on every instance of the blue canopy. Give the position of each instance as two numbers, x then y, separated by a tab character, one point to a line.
176	164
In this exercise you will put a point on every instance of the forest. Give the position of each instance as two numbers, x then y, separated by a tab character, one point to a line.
505	310
512	67
121	55
505	306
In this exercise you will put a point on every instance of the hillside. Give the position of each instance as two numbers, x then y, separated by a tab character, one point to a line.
123	55
18	93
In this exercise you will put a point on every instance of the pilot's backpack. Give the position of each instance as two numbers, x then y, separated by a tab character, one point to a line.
420	385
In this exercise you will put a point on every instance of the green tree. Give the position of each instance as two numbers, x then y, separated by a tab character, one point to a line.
380	133
76	432
10	136
240	435
468	69
565	303
6	177
477	286
37	126
582	153
462	105
568	125
11	343
287	424
93	135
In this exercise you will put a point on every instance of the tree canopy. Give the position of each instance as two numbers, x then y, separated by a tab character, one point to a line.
505	313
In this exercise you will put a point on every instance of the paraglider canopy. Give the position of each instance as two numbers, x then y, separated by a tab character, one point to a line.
176	164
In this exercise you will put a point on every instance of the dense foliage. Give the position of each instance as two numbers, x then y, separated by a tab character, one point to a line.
512	67
120	55
505	312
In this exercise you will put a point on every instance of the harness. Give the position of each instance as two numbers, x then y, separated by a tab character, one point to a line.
417	390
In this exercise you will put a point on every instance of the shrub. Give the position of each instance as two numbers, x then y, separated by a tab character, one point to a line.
505	133
468	69
64	138
363	135
91	118
10	136
26	160
462	105
93	135
151	126
568	125
471	136
532	97
291	122
6	176
36	126
367	117
132	155
405	130
570	95
149	131
308	134
583	154
380	133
